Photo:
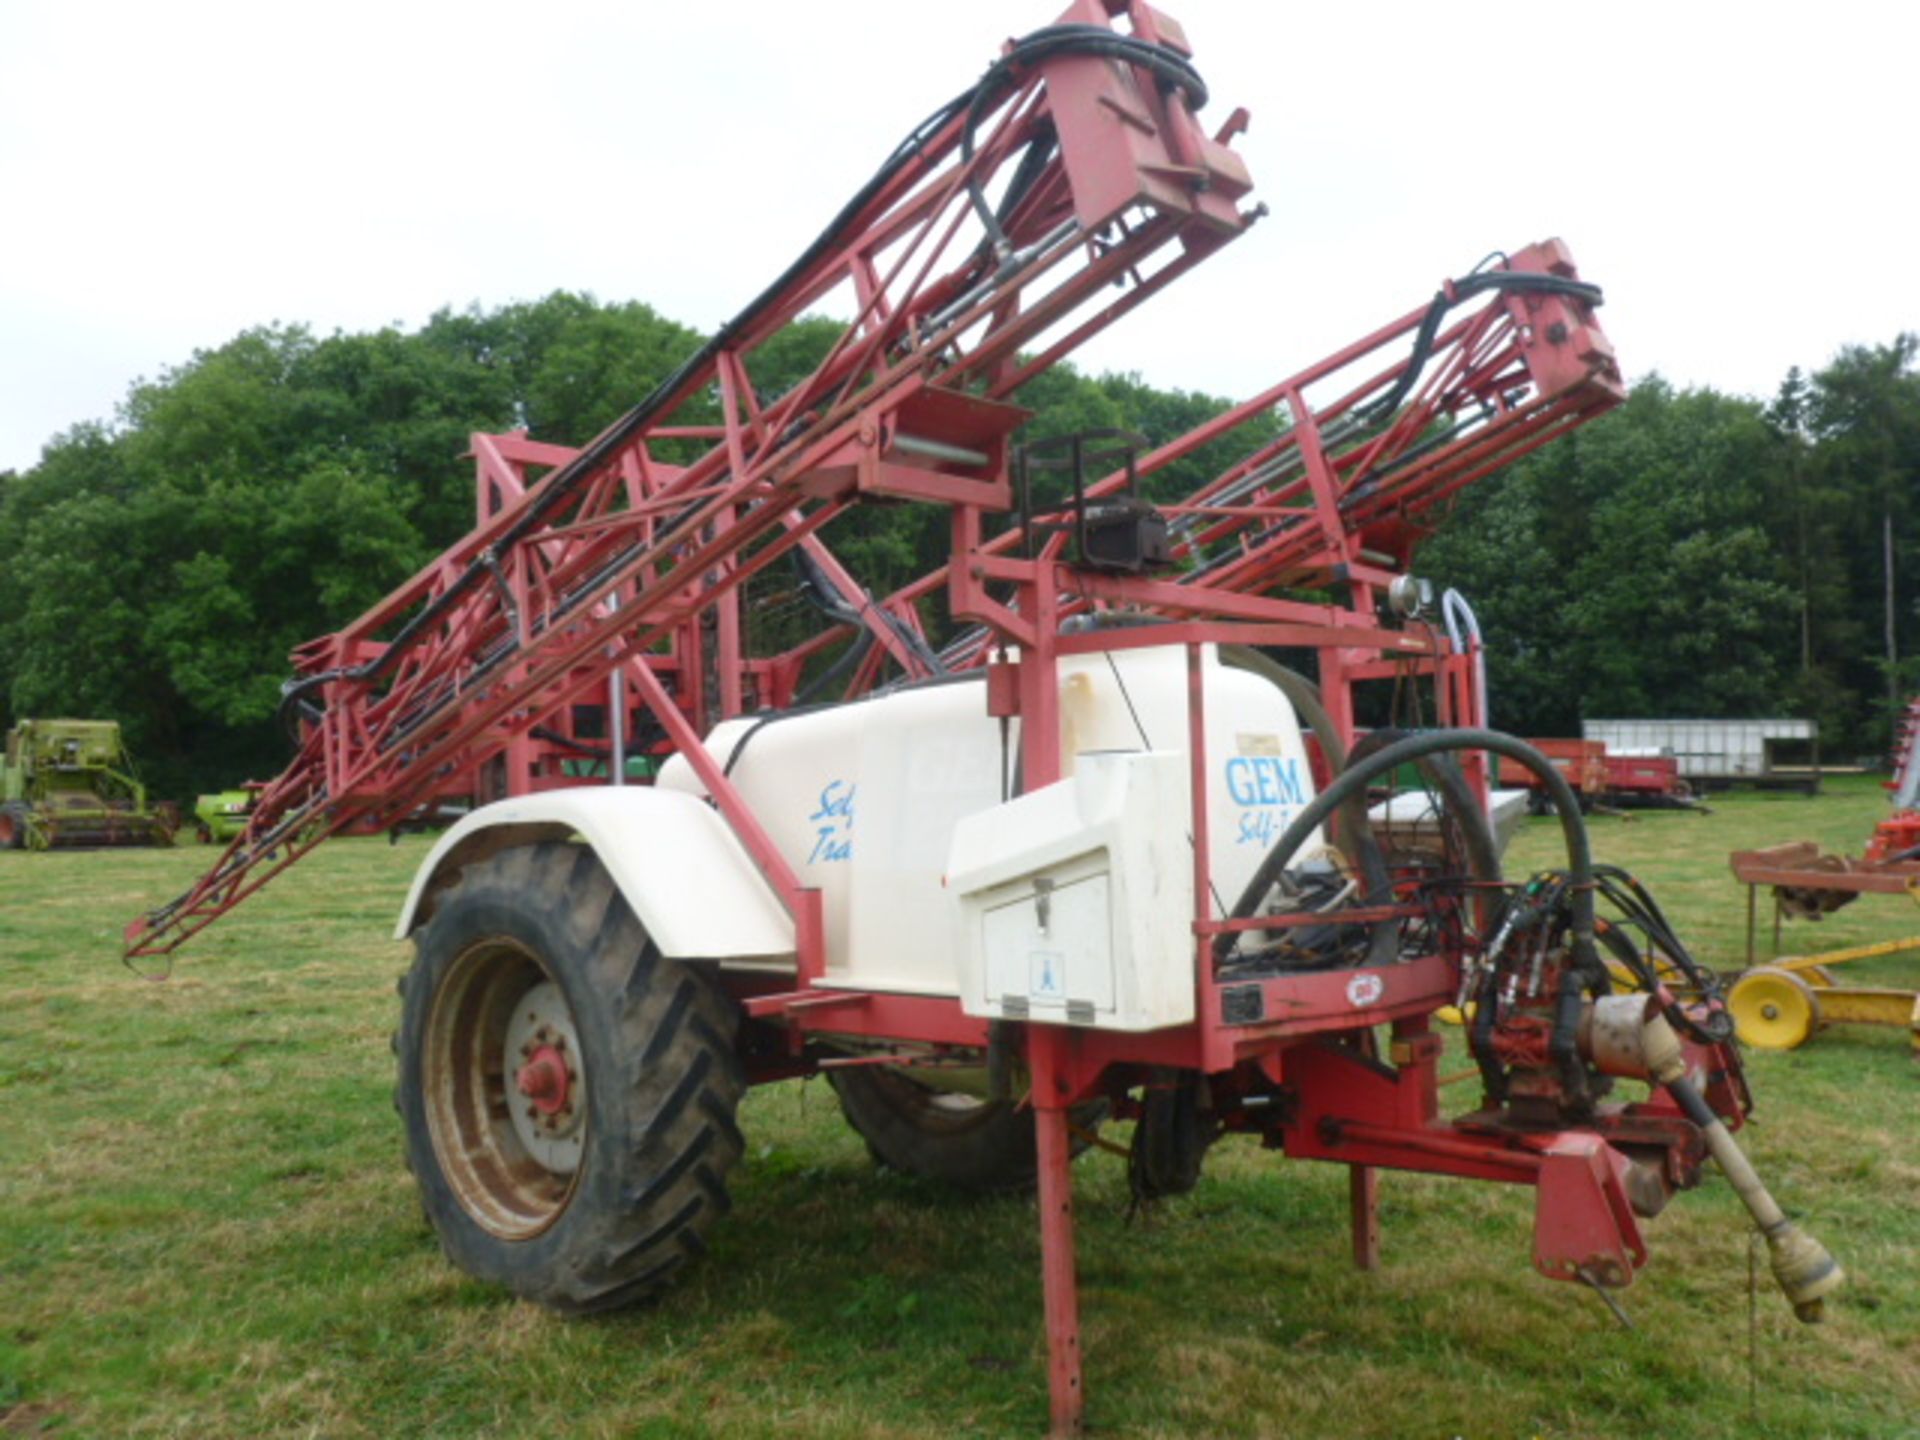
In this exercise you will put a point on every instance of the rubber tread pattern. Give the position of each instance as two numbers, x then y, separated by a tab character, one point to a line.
662	1077
990	1149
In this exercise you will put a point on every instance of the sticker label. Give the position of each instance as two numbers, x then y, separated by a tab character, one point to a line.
1364	990
1267	788
1265	780
1049	974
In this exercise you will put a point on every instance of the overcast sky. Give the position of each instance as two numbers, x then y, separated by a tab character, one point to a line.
1740	177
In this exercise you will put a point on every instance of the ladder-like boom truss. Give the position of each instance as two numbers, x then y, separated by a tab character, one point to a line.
1374	441
1021	218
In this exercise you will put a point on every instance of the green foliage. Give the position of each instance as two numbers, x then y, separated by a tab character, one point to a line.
1694	554
1690	554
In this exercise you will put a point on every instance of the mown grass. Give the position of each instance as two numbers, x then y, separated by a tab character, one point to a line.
206	1229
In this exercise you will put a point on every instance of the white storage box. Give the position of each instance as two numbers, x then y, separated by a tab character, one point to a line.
1075	903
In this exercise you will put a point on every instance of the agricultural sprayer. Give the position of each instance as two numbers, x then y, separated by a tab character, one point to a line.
1048	835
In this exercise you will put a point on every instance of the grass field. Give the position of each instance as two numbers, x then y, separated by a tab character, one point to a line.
206	1228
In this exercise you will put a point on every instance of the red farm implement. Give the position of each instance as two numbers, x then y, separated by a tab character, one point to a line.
1602	778
1581	763
1648	780
1057	851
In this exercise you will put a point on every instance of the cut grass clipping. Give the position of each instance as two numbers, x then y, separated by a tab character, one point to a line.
206	1228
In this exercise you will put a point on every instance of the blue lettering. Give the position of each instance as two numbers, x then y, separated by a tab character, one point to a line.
834	822
1258	827
1237	784
1263	781
1271	790
836	801
828	848
1262	826
1289	775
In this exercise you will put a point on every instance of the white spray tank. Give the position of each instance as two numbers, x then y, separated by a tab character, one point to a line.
890	803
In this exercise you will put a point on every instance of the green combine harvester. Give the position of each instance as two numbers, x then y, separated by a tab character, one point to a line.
220	817
71	782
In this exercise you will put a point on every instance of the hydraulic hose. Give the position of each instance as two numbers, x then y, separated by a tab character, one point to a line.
1449	783
1352	832
1357	776
970	106
1525	282
1586	971
1804	1268
1169	66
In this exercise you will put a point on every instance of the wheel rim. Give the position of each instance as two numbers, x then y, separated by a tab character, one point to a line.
8	831
506	1103
1773	1009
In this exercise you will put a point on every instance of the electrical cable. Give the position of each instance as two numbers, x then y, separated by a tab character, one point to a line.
1585	972
1457	293
971	103
1173	70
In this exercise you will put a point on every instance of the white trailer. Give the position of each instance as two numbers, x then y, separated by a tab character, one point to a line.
1719	752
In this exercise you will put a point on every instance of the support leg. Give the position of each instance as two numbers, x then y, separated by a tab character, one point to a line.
1056	1238
1363	1194
1753	901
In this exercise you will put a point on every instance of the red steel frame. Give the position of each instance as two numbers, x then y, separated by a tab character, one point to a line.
629	558
630	555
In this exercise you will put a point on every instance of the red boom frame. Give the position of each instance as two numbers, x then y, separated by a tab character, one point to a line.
620	554
628	558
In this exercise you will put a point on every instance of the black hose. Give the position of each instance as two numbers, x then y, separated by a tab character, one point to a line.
1172	67
1585	970
1458	293
842	667
1173	70
818	587
567	742
1357	776
1353	831
1446	783
1353	834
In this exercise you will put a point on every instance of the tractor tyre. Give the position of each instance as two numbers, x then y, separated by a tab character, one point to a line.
945	1136
568	1093
13	827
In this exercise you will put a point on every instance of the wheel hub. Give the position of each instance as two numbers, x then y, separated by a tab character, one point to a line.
544	1080
548	1105
1775	1009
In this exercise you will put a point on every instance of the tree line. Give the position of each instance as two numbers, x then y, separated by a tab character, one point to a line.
1691	554
1694	554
